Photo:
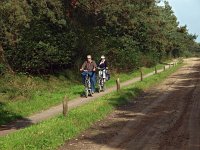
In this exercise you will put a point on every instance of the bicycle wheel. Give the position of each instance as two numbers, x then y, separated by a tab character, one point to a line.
104	87
99	89
99	85
90	92
86	93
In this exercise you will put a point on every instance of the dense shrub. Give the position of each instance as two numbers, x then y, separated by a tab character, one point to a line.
2	69
41	36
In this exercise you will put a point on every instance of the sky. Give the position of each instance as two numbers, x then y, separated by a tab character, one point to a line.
188	13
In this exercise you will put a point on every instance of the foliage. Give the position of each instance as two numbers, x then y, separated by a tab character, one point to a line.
42	36
2	69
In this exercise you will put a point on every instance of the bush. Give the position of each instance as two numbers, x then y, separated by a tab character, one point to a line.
43	48
2	69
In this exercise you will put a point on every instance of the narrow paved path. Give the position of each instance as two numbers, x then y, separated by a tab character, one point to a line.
165	117
44	115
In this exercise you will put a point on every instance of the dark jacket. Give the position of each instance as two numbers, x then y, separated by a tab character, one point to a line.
103	65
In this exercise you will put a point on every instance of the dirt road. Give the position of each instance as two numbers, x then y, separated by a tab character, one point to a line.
166	117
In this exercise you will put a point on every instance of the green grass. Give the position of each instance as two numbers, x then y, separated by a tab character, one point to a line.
22	95
54	132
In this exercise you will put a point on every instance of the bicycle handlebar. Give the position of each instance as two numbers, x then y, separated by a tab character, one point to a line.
102	68
95	71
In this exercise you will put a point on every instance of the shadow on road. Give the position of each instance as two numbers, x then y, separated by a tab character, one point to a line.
105	132
6	116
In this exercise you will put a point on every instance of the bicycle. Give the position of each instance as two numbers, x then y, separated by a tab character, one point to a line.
88	89
101	79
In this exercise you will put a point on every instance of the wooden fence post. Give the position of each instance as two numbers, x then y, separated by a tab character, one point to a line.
65	106
164	68
141	74
169	66
156	71
118	84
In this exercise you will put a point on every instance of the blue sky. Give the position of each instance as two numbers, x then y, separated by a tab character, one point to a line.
188	13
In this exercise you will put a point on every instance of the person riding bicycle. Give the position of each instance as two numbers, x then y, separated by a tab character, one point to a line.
103	66
89	67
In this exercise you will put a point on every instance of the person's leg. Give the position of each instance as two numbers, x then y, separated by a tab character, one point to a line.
100	75
83	74
93	81
104	75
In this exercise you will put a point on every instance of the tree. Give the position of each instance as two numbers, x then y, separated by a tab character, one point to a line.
14	16
41	36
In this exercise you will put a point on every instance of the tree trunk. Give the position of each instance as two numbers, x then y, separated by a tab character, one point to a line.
4	61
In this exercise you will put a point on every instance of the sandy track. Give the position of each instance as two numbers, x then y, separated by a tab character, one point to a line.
166	117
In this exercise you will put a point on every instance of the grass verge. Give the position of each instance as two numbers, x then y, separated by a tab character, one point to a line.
54	132
21	96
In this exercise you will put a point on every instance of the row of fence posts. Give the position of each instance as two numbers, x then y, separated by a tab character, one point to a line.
65	100
142	74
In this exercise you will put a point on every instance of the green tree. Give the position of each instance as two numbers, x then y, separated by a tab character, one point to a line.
14	16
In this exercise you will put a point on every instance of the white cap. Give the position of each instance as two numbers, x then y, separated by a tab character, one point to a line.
89	56
102	57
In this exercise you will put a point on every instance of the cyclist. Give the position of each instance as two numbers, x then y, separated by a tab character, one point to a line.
103	66
89	67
